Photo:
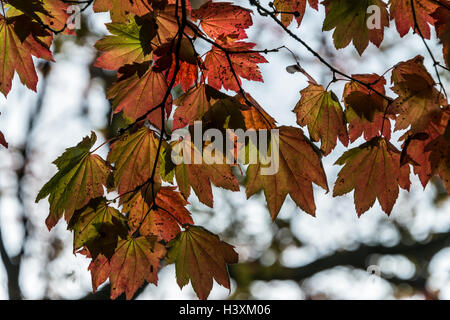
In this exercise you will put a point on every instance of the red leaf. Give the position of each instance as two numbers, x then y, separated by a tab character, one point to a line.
350	18
402	12
100	269
321	112
415	151
244	64
140	92
136	260
3	140
369	129
223	19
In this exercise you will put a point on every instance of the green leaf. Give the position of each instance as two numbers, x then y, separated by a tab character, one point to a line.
350	18
80	178
128	44
321	112
87	223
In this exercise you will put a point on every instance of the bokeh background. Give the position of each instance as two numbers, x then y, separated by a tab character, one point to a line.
295	257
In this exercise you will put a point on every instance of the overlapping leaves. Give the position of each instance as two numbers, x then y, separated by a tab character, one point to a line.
153	59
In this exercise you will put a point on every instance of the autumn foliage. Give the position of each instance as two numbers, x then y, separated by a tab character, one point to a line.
152	46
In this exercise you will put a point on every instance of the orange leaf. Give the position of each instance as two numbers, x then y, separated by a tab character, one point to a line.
414	147
163	221
133	157
136	260
373	171
200	256
255	117
122	11
138	91
418	101
20	38
299	166
100	269
194	104
200	176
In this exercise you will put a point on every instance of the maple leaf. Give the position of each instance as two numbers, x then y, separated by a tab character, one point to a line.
224	114
193	104
88	224
417	148
245	65
133	157
138	91
165	59
373	171
163	220
200	256
321	112
199	174
128	44
122	11
255	117
20	38
363	101
350	18
402	12
418	102
369	129
52	13
100	269
291	9
135	260
223	19
442	25
80	178
299	165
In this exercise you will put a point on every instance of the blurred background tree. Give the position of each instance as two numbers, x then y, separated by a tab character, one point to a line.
295	257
